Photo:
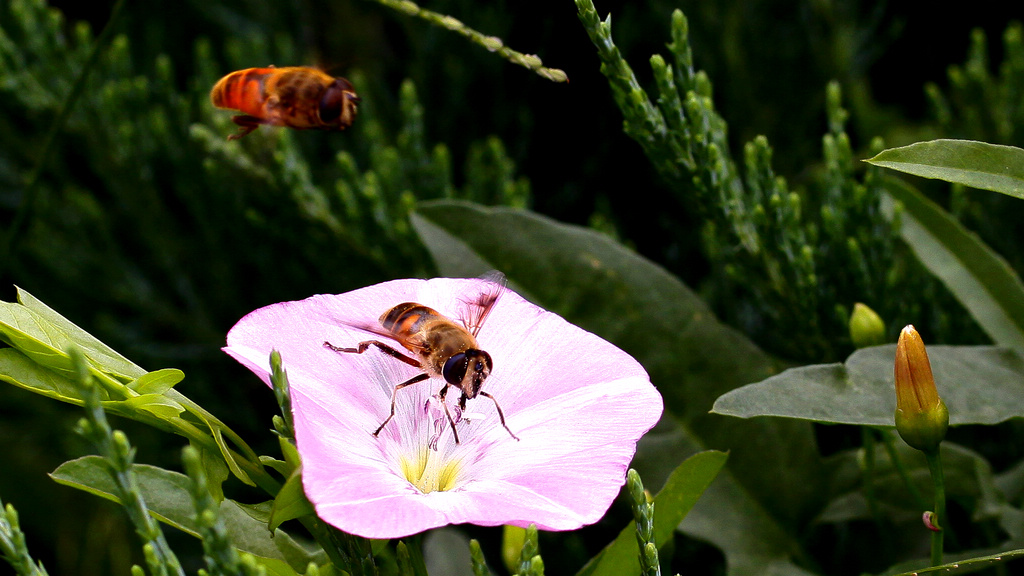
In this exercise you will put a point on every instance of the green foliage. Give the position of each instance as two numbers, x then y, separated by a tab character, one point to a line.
117	458
176	218
13	546
975	164
691	356
980	385
674	501
790	262
977	104
151	229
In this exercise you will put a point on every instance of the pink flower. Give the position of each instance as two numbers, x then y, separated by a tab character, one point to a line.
577	404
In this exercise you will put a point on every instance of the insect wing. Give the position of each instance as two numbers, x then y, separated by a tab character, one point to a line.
414	344
475	310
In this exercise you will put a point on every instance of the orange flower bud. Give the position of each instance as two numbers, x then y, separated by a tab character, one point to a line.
921	416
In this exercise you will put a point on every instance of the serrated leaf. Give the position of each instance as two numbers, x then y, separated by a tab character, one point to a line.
692	357
979	384
684	486
979	278
975	164
166	493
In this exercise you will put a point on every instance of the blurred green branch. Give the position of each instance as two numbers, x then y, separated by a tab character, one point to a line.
491	43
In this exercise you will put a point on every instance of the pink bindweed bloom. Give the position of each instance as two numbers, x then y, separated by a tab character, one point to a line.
575	405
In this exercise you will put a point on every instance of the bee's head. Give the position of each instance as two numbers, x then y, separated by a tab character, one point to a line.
468	370
338	104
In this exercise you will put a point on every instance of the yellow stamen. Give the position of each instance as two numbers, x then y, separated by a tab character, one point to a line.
430	471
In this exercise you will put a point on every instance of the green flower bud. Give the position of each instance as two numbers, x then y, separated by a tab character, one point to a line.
921	416
866	327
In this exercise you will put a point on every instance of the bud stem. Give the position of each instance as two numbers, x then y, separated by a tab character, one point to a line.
939	484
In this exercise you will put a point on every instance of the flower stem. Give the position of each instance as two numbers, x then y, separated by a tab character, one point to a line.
901	469
939	484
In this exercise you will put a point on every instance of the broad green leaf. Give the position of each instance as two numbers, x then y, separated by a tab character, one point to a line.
979	384
158	381
975	164
166	493
692	357
679	494
979	278
728	515
104	357
34	337
290	502
20	370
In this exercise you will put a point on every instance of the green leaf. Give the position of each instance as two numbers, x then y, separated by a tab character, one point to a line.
21	371
104	356
167	495
45	336
290	502
979	384
975	164
156	404
684	486
979	278
692	358
214	468
158	381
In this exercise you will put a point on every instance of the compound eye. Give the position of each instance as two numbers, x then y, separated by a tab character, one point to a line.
455	369
331	103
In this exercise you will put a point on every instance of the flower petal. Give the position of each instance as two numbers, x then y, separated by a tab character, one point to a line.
577	404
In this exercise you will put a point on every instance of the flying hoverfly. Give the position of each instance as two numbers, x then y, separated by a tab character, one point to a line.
297	97
443	347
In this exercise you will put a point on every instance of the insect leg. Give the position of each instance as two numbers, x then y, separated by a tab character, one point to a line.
501	415
441	395
409	382
246	125
362	346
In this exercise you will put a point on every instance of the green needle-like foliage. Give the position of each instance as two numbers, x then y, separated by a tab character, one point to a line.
980	105
222	559
13	548
119	455
787	261
143	202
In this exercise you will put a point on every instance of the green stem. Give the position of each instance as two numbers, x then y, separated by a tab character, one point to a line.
901	469
868	439
935	466
491	43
